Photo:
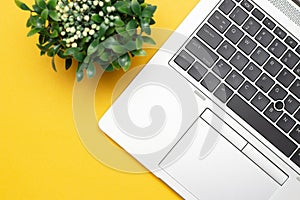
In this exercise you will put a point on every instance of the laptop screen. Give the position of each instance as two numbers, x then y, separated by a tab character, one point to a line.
296	2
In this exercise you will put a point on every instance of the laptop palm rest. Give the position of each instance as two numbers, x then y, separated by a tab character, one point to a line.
224	173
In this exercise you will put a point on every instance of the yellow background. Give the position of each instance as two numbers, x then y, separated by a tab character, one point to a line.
41	155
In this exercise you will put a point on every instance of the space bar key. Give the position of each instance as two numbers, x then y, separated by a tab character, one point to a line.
262	126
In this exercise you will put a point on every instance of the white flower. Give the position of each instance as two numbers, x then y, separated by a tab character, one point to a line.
112	17
113	8
94	26
108	9
106	21
66	9
91	32
84	33
84	0
75	37
103	38
85	7
63	33
98	28
68	30
101	3
78	33
57	7
95	3
68	45
74	45
86	18
101	14
77	8
107	1
86	29
73	30
111	24
72	39
68	41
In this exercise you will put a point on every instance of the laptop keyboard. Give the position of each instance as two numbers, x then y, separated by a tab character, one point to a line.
251	64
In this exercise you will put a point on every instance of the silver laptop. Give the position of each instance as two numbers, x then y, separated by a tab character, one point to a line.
217	116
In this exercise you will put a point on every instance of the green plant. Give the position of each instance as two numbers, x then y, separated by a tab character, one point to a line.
106	32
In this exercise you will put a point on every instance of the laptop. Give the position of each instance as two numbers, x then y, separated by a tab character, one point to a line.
215	114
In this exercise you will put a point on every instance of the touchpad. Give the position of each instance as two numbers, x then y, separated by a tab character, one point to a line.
223	173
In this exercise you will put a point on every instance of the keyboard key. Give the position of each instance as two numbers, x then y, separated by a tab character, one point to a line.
258	14
298	49
297	70
277	48
264	37
297	115
260	56
210	82
238	15
208	35
277	93
291	104
221	68
203	53
197	71
239	61
227	6
223	93
247	5
269	23
296	158
251	26
286	123
290	59
295	88
252	71
273	67
265	83
247	90
219	21
247	45
226	50
295	134
272	113
291	42
285	77
280	33
260	101
234	79
184	60
234	34
262	126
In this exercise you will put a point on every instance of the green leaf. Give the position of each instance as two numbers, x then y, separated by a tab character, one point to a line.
131	27
79	56
93	47
115	65
33	31
51	4
119	22
54	34
71	51
148	40
41	4
139	52
109	42
145	25
104	56
125	62
131	45
103	28
68	63
149	11
96	18
28	23
139	42
123	7
44	14
53	15
119	49
136	8
91	70
79	75
22	5
37	9
53	64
